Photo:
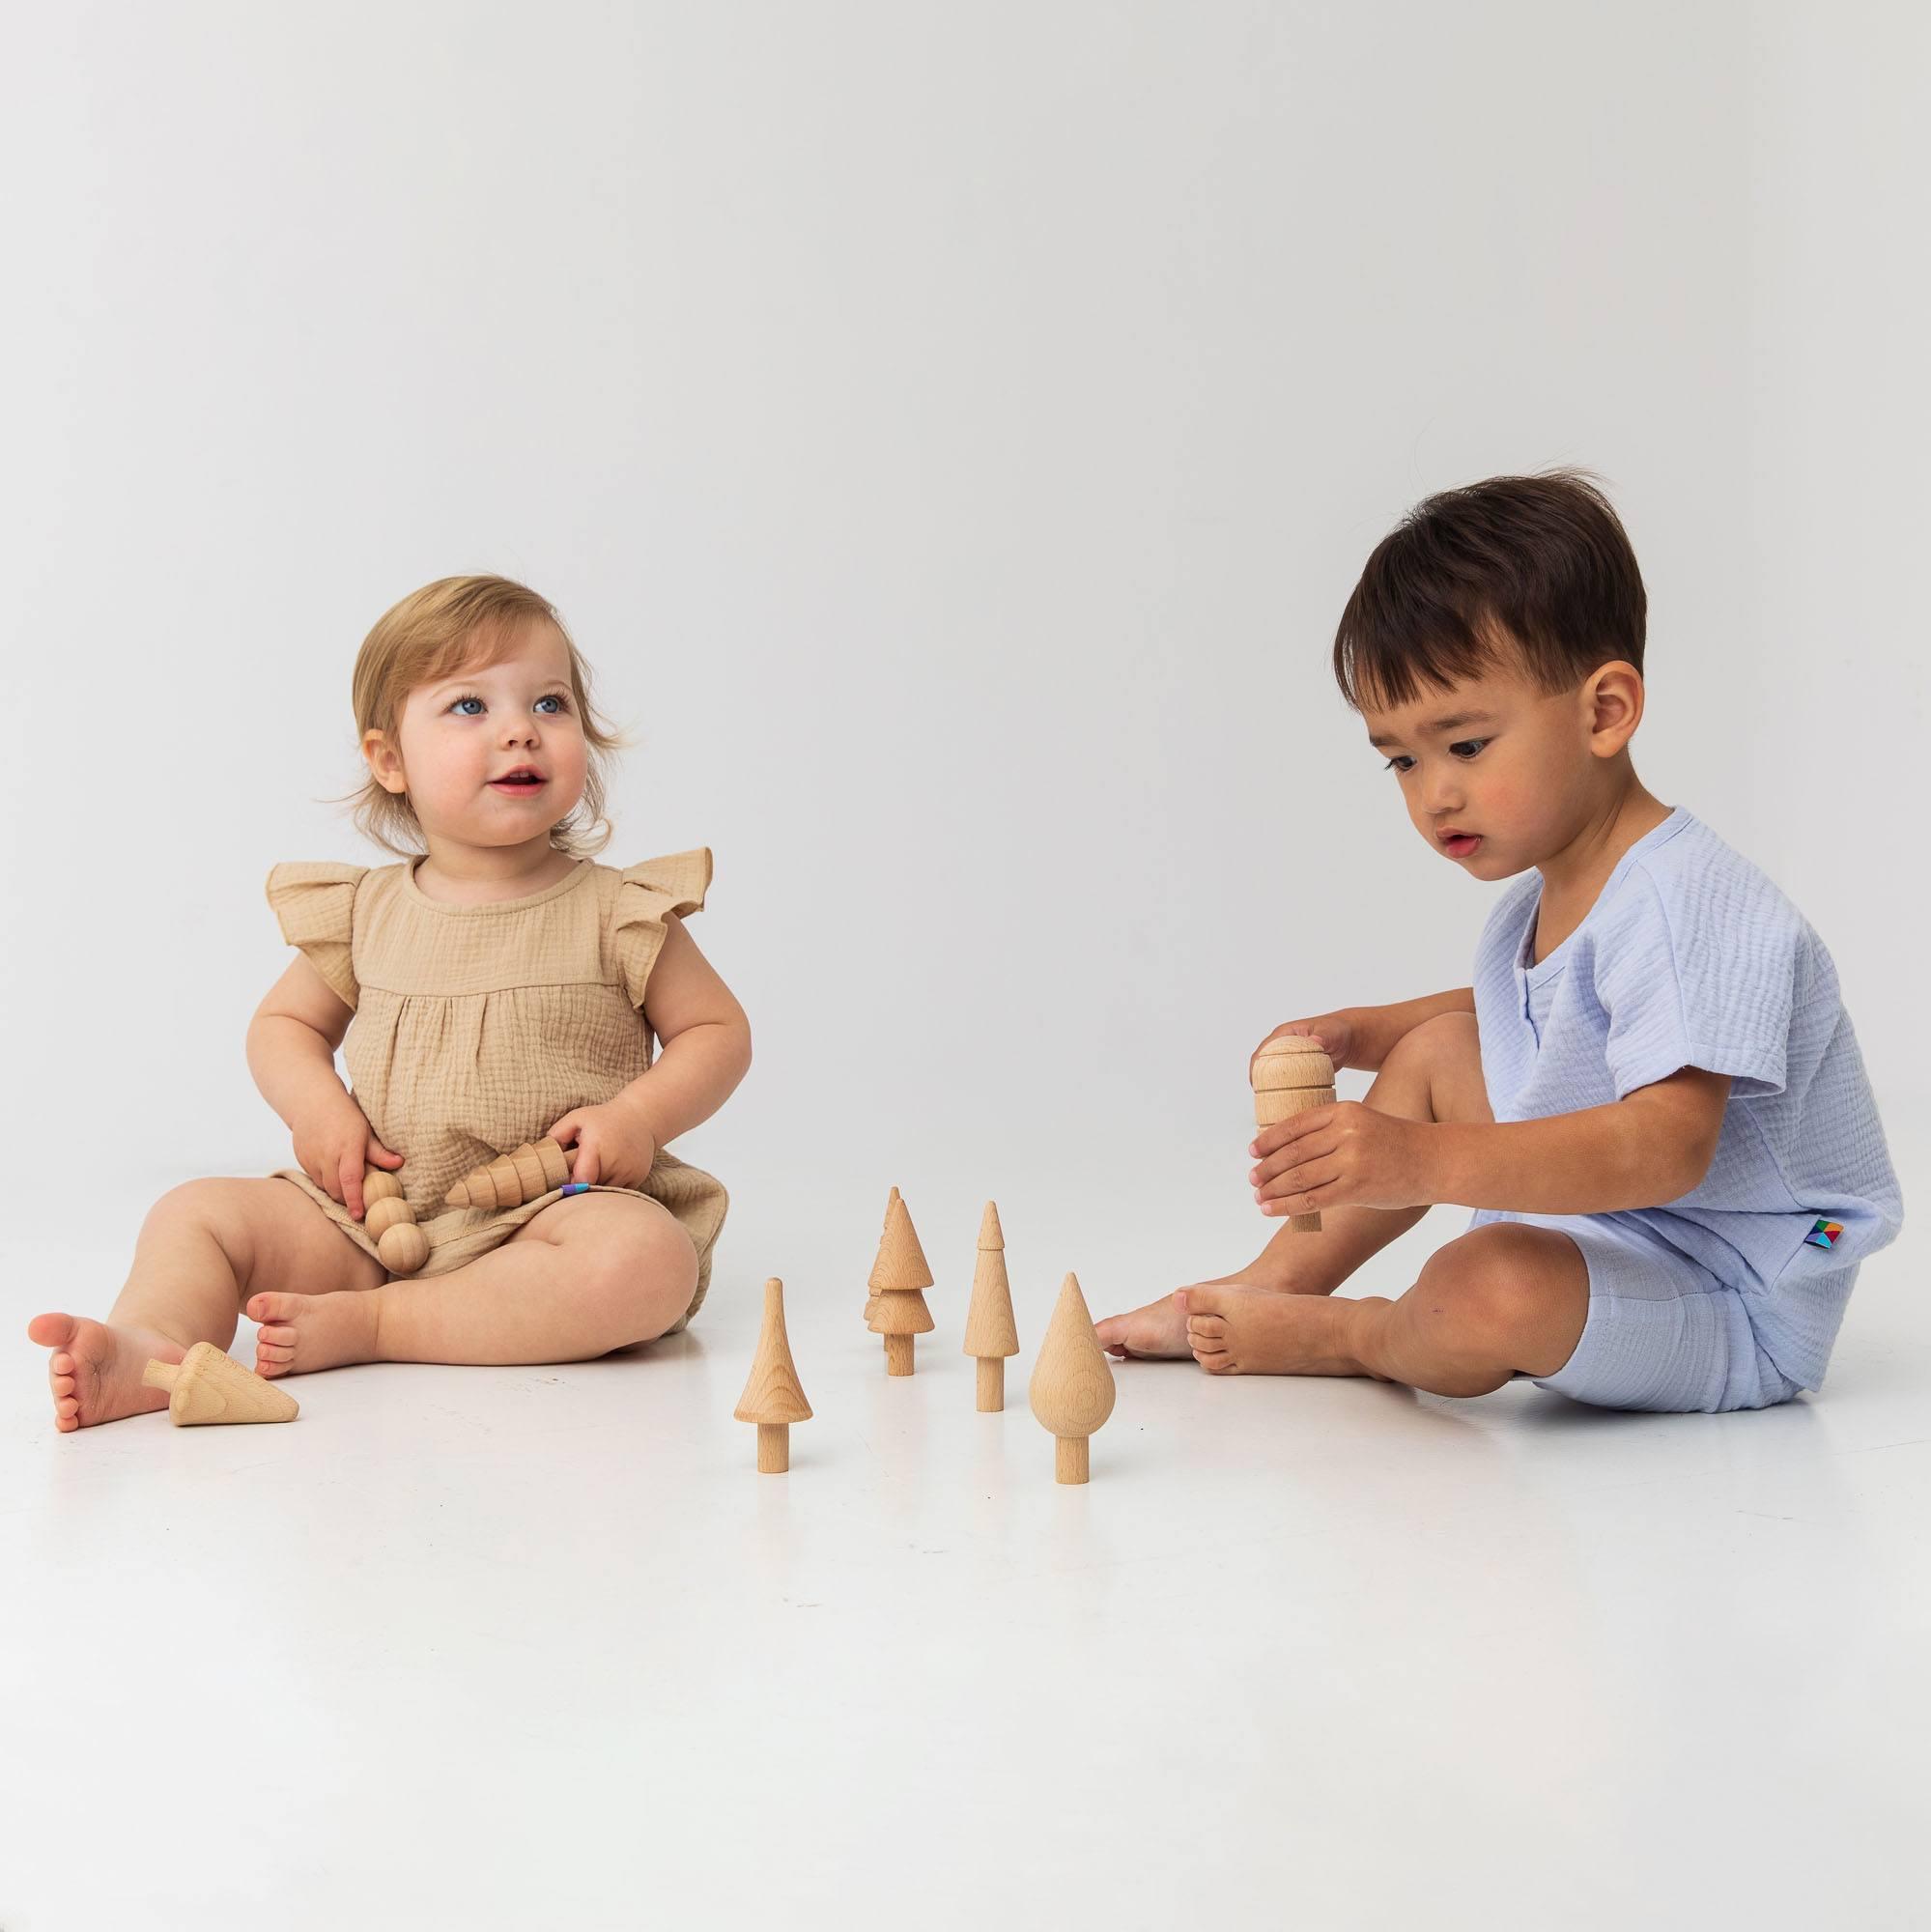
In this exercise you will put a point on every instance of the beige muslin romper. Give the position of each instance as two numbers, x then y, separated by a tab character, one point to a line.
477	1027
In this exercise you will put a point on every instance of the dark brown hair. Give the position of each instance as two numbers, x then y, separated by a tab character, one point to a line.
1534	570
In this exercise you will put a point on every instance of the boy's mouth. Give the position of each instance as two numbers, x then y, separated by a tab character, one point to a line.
1459	844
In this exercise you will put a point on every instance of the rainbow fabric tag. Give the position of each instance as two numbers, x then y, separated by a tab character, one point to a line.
1824	1234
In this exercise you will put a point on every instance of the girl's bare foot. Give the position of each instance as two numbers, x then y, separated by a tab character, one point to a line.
95	1371
301	1333
1234	1331
1159	1330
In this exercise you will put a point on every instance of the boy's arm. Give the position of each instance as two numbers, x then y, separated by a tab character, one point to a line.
1377	1029
1652	1145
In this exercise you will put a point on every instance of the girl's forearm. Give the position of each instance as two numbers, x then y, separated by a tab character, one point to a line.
294	1066
1379	1028
693	1077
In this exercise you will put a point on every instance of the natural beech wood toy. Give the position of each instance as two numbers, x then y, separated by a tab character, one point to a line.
514	1178
772	1398
211	1386
1071	1390
403	1246
870	1292
897	1308
1290	1074
990	1335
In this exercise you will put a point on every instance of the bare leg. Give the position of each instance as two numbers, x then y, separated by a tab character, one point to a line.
202	1247
1502	1298
1434	1073
585	1276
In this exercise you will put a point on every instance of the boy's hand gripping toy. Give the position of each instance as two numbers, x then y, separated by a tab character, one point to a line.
1291	1074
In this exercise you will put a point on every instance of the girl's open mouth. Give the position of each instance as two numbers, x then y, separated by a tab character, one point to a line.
521	784
1461	844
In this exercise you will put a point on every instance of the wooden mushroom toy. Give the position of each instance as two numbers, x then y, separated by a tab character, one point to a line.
897	1308
401	1243
1290	1074
772	1398
1071	1390
523	1174
990	1334
212	1386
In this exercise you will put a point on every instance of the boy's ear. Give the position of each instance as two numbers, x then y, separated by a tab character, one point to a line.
383	760
1612	702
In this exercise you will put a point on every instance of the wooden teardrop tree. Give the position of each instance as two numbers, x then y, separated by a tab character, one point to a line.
897	1308
1291	1075
772	1397
1071	1390
990	1334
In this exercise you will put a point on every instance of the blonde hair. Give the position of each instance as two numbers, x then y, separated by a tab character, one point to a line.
454	623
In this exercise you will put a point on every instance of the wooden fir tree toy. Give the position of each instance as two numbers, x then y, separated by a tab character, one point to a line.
897	1308
772	1398
1290	1074
211	1386
523	1174
1071	1390
990	1335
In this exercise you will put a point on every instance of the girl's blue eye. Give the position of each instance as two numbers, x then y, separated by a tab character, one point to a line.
555	697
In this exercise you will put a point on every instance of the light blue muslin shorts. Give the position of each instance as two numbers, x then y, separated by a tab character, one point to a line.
1662	1332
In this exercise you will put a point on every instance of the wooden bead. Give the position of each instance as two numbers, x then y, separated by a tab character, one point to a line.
381	1215
380	1185
403	1248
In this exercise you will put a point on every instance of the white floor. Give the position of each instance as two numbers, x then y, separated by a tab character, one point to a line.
534	1647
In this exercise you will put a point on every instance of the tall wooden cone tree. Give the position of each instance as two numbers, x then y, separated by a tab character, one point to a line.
990	1334
1071	1390
772	1397
897	1308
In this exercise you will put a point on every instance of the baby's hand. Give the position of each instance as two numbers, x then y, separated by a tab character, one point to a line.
334	1148
613	1143
1334	1031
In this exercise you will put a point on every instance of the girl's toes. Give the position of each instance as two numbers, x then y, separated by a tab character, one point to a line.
67	1407
62	1385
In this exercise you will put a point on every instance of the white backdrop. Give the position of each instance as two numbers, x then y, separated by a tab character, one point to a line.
951	435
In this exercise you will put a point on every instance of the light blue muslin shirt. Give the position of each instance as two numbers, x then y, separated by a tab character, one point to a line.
1693	957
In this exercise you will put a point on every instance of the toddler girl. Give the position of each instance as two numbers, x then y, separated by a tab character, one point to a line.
495	986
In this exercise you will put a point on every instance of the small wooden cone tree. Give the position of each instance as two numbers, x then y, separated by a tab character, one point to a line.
870	1292
212	1386
897	1308
510	1179
1071	1390
990	1334
1290	1074
772	1398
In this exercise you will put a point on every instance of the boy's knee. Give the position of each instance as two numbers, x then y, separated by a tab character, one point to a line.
1446	1039
1508	1292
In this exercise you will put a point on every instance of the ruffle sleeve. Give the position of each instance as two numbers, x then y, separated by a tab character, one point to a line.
315	902
648	894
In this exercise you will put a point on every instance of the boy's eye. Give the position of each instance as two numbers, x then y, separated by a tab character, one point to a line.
1468	747
1401	762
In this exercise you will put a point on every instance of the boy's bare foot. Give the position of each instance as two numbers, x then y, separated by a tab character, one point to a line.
301	1333
1235	1331
1159	1330
95	1371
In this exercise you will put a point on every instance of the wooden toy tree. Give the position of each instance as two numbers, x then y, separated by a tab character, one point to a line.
1071	1390
990	1334
870	1292
211	1386
1290	1074
510	1179
897	1308
772	1398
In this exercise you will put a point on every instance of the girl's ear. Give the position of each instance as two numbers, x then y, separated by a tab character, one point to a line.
384	761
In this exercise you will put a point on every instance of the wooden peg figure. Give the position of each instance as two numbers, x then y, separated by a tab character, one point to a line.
1291	1074
897	1308
990	1335
212	1386
1071	1390
772	1398
523	1174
